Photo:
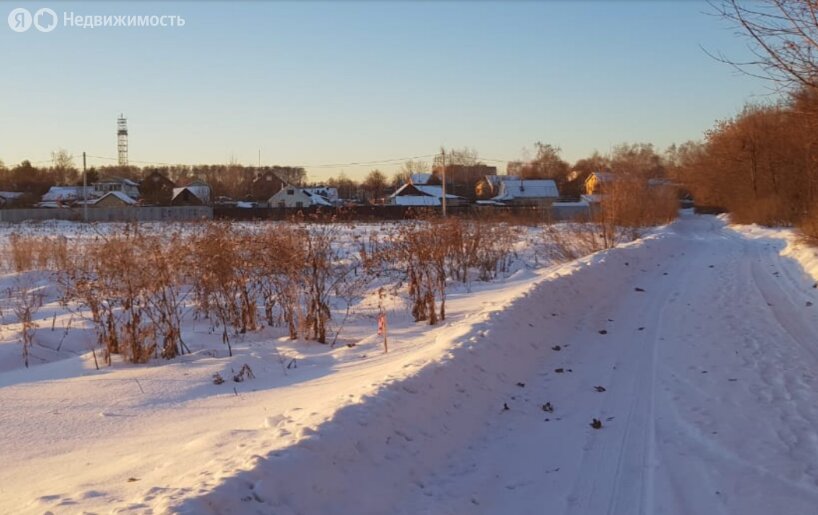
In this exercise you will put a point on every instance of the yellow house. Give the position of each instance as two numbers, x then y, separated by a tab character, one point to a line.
596	181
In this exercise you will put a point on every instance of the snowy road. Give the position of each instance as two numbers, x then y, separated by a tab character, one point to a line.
707	351
704	341
710	402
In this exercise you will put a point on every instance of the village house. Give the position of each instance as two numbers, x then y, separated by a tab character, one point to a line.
596	181
9	199
294	197
109	184
534	192
265	185
197	193
489	185
156	189
423	195
331	194
461	180
114	199
66	196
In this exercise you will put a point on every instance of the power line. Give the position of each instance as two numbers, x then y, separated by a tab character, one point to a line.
333	165
368	163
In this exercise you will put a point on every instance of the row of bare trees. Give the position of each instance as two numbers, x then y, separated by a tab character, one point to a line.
762	165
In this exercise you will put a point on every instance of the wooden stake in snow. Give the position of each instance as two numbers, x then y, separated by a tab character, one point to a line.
382	329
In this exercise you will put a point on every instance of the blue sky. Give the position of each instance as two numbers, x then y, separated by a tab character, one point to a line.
316	83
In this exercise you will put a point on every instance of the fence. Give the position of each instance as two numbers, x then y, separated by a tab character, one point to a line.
113	214
557	212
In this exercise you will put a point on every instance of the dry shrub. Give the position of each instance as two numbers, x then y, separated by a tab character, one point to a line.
222	281
433	250
569	241
133	285
476	245
809	226
27	253
422	247
279	256
294	270
633	202
25	303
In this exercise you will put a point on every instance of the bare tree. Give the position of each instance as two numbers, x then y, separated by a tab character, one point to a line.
783	37
374	184
62	163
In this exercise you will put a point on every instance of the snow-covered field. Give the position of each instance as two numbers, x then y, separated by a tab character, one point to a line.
696	348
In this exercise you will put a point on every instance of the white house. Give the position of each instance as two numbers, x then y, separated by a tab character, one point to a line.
528	192
109	184
422	195
294	197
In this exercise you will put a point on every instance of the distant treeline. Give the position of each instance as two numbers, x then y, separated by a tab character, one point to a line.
230	180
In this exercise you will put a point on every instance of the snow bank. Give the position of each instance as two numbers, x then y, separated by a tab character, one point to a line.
789	242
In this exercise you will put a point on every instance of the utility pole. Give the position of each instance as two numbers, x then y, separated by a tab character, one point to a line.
443	174
84	190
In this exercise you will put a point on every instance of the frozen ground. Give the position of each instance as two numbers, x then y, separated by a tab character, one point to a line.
703	337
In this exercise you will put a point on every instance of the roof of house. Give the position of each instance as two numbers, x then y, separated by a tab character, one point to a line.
429	195
330	194
495	180
63	193
195	189
118	180
317	199
425	190
420	178
527	189
118	194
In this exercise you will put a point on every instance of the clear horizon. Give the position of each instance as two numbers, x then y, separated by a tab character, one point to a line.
315	84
